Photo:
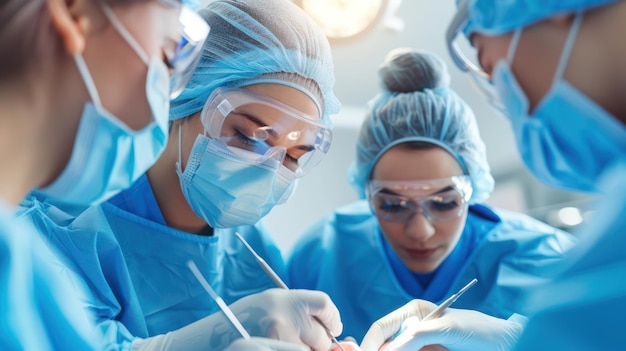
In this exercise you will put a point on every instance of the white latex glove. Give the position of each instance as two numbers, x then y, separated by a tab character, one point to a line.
388	326
456	329
275	313
264	344
465	330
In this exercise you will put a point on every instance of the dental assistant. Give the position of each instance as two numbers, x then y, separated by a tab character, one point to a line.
62	93
253	119
422	230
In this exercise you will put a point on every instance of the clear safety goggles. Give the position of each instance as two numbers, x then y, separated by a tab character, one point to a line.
266	129
465	56
446	199
193	31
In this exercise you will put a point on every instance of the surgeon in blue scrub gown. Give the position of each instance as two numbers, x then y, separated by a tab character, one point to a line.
254	118
557	73
422	229
72	115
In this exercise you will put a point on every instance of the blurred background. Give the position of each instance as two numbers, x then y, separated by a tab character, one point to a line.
385	25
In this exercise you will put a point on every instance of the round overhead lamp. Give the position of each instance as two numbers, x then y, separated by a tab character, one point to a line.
345	19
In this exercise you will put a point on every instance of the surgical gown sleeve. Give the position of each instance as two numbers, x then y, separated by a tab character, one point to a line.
584	307
89	249
38	294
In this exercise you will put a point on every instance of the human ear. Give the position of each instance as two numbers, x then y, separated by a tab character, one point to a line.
67	24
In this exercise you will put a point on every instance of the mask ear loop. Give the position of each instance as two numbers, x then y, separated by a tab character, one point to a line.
567	48
82	65
88	80
125	33
510	54
179	165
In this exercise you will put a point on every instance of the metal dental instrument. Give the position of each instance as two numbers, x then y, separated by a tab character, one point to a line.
408	334
279	282
225	309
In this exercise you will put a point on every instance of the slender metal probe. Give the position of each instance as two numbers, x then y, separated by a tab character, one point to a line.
409	333
279	282
225	309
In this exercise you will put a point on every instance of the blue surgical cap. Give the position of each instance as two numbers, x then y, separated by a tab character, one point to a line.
495	17
253	41
416	105
193	4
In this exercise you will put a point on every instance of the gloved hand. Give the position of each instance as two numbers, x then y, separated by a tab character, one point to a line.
275	313
390	324
264	344
456	329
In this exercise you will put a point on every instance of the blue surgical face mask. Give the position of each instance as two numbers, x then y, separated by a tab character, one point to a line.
568	141
108	156
227	190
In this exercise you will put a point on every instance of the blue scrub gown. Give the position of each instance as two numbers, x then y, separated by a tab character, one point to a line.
585	306
346	255
39	296
136	266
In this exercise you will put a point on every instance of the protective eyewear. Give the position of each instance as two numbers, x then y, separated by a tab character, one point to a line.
265	129
447	199
465	56
193	33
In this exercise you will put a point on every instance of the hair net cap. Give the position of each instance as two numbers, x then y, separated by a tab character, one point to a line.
416	105
491	17
252	41
193	4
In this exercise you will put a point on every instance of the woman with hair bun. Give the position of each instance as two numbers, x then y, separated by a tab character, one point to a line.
421	229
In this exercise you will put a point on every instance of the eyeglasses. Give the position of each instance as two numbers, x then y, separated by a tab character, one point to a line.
458	46
257	128
449	200
194	31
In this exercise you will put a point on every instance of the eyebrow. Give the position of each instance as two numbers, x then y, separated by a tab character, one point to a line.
270	130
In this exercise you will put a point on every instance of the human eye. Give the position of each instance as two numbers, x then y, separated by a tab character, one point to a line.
392	205
249	143
444	202
444	206
291	162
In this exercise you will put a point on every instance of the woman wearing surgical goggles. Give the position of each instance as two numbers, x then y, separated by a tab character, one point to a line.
253	118
247	147
556	70
421	230
85	96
